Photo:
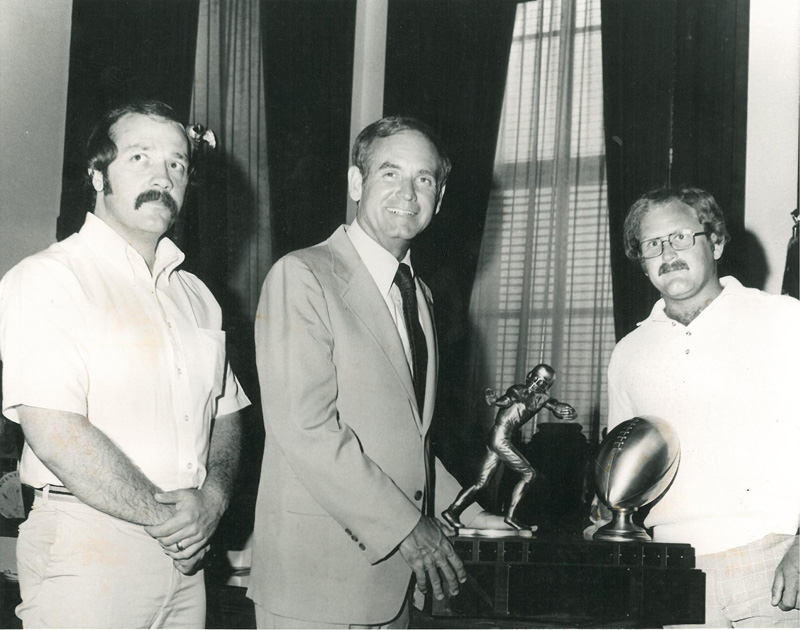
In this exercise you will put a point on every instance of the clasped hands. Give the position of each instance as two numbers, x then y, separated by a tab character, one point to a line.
185	536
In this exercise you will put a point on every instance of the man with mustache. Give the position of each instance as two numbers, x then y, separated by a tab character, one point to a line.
115	368
346	354
721	363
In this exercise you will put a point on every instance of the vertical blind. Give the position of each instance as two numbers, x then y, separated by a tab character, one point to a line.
543	287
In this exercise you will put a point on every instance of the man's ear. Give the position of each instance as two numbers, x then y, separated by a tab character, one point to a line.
439	201
97	179
717	247
354	182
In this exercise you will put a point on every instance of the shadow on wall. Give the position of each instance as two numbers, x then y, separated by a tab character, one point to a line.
745	259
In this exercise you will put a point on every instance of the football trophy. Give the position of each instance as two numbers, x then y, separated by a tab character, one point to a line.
636	463
516	407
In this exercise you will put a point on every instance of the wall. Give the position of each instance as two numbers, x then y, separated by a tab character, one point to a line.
34	49
772	129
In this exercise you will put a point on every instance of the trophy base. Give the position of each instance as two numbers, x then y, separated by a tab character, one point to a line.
581	584
494	533
622	528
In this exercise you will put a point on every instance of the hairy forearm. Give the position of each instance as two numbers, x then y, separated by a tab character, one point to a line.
91	466
223	457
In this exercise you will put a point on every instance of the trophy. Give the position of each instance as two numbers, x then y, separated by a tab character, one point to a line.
636	463
516	407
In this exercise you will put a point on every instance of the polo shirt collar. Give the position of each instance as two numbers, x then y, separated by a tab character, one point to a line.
730	286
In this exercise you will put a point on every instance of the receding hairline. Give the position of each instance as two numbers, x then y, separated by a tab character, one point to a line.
113	135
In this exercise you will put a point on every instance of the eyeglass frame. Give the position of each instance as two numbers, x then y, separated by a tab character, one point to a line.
668	239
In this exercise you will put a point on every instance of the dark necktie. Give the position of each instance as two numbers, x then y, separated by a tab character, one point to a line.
416	338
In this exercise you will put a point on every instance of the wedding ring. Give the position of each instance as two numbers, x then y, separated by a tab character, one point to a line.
179	545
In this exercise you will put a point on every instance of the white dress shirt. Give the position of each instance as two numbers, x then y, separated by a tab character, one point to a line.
382	266
86	328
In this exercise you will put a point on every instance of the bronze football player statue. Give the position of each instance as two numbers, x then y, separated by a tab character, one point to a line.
517	406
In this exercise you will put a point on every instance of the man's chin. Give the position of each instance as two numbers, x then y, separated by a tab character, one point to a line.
679	290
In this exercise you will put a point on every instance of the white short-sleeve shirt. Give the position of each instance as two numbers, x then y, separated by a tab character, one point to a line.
86	328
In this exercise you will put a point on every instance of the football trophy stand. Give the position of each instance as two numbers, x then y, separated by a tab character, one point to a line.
619	579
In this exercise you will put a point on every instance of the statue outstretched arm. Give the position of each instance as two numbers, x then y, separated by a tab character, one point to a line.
493	400
514	394
561	410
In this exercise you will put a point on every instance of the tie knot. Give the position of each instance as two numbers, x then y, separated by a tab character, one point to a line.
403	278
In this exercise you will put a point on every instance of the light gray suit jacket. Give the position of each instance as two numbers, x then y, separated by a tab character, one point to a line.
343	479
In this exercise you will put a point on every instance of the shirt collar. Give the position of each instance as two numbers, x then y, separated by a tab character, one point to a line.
730	286
110	245
381	265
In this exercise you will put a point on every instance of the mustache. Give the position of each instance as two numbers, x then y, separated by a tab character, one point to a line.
675	265
157	195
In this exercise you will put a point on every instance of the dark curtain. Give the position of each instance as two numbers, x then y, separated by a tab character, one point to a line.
308	74
120	50
675	98
446	64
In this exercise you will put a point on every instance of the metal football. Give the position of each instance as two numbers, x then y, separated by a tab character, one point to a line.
636	463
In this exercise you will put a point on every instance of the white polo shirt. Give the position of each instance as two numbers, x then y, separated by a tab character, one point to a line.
728	383
86	328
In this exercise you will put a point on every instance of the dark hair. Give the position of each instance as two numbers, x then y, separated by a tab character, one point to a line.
390	126
101	149
701	201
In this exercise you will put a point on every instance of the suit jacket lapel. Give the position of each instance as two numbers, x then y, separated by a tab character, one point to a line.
361	293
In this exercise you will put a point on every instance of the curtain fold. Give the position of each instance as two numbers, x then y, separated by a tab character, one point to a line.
542	293
229	237
226	232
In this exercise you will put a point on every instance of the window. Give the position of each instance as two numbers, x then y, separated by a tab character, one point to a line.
543	288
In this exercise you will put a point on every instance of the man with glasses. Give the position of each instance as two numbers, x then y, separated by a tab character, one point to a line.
721	363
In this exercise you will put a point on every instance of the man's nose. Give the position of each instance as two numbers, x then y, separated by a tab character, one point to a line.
160	177
667	251
407	189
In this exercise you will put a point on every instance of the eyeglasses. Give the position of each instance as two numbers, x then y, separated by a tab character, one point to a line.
684	239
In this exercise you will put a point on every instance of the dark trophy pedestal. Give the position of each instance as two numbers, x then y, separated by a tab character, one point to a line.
524	582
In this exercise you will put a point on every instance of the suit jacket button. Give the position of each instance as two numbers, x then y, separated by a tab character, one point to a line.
361	546
348	532
418	495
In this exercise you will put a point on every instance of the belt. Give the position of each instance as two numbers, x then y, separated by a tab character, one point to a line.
56	493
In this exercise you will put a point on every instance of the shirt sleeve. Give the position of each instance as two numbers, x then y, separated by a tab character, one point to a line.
45	333
233	398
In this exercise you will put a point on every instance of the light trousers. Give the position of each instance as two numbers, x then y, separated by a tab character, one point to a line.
266	619
739	586
80	568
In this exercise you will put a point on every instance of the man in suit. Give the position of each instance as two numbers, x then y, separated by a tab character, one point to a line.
348	382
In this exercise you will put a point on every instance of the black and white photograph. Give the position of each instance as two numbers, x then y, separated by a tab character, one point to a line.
399	313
